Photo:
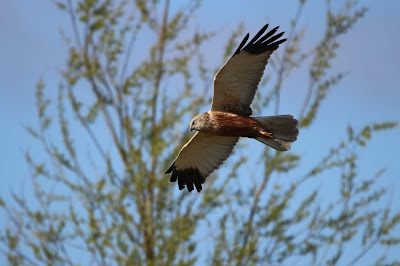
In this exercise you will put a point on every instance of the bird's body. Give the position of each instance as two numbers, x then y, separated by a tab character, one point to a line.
219	129
230	124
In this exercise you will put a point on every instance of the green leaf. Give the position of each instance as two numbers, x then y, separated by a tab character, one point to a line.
97	25
61	5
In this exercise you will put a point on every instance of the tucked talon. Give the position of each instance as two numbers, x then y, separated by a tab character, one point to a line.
267	134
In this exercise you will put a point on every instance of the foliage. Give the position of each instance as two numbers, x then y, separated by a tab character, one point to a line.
100	194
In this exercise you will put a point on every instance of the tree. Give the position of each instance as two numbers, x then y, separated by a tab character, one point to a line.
100	194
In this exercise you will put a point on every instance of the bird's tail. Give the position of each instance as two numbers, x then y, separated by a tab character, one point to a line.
283	128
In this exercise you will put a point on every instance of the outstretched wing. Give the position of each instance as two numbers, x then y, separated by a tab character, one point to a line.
198	158
236	82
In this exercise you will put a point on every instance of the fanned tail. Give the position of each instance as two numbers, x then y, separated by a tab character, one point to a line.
283	128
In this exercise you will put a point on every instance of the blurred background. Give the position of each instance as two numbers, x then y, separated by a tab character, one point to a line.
32	48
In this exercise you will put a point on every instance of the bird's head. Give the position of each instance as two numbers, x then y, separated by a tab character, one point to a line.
197	123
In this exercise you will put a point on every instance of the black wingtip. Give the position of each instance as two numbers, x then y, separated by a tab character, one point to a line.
170	169
260	44
189	178
280	41
242	44
258	35
174	176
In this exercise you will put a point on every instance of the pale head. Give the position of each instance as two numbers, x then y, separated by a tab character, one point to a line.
198	122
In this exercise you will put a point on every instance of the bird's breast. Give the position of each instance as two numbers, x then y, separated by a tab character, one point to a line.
233	125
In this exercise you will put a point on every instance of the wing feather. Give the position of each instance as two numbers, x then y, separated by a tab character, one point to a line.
199	157
236	82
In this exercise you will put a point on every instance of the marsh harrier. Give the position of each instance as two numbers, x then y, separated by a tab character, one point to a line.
219	129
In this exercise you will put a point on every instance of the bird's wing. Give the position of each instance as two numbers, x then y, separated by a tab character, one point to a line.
199	157
236	82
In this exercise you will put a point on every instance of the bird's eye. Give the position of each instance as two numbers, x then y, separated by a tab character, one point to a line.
194	122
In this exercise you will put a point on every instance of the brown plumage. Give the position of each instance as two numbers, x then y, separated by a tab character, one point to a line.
219	129
229	124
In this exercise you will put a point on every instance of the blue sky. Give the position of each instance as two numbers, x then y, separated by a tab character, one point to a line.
31	48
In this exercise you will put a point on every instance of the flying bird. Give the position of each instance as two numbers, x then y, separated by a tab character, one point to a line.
229	118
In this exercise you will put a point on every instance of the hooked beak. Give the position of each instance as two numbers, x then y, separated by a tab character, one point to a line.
191	129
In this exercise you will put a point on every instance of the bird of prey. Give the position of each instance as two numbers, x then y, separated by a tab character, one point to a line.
219	129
